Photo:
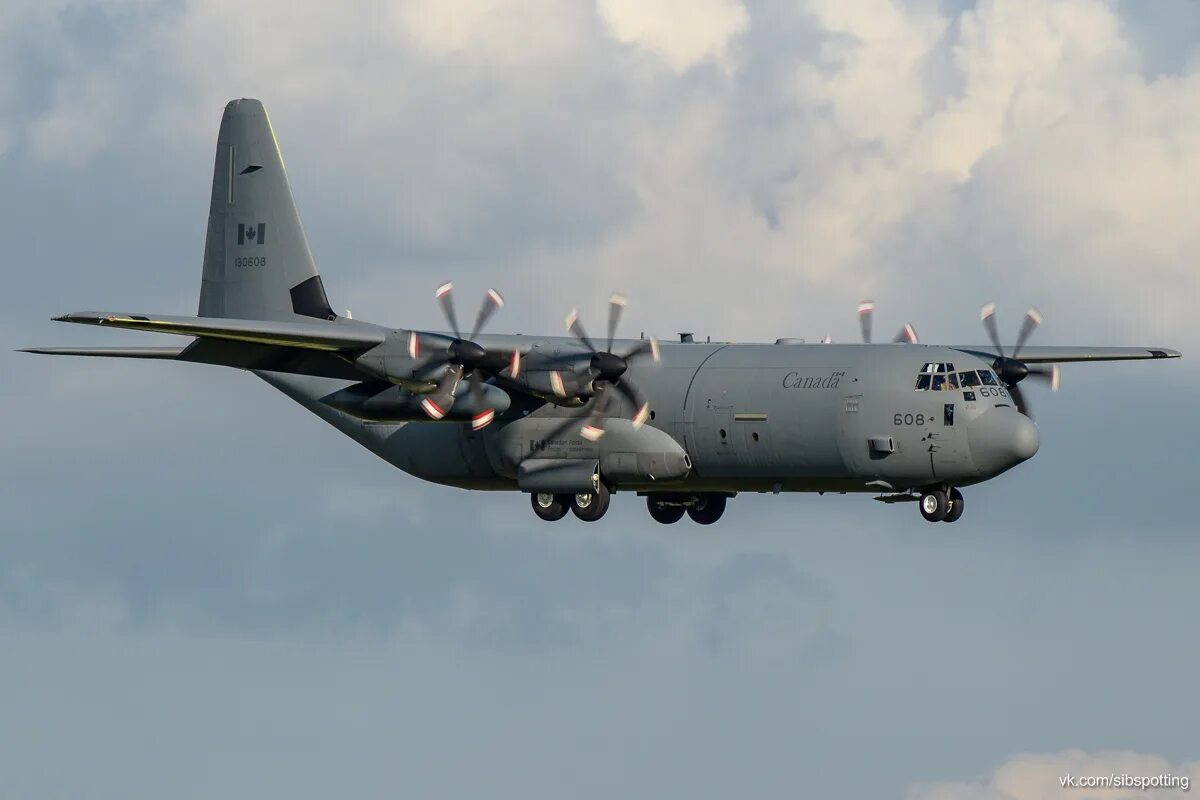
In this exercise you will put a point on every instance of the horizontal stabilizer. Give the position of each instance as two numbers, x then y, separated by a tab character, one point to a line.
168	353
340	335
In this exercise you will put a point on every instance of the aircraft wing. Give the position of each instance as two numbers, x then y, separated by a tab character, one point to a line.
167	353
320	348
316	335
1034	354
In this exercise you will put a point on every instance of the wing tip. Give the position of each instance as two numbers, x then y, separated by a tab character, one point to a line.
84	317
164	353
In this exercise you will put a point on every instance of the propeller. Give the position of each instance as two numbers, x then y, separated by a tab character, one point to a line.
465	359
866	309
1010	368
604	373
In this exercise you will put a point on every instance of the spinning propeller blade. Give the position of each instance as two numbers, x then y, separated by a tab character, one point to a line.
604	373
575	327
445	296
1032	319
866	311
616	304
464	358
907	335
1011	369
987	315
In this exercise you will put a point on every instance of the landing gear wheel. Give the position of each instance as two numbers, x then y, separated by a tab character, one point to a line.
661	512
550	507
957	506
934	505
708	509
590	506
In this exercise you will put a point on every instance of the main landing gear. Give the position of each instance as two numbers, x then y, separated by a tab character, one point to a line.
941	506
589	506
704	508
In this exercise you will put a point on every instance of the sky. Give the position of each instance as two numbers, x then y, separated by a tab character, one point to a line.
205	589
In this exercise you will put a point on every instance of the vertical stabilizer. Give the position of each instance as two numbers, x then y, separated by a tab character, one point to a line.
257	264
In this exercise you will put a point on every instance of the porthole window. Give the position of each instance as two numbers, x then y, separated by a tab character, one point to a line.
651	415
722	433
755	436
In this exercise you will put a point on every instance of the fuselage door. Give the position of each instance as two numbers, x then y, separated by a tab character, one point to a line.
952	408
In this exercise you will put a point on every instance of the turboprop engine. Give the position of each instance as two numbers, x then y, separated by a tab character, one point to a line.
436	365
377	401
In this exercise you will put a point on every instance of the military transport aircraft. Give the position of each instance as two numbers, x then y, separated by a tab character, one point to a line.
571	419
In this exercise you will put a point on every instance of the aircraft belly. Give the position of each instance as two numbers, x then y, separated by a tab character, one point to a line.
448	453
444	453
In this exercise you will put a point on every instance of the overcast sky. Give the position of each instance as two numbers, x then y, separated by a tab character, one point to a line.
205	590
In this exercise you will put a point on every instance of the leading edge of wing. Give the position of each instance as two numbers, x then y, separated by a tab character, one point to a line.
1048	354
315	335
167	353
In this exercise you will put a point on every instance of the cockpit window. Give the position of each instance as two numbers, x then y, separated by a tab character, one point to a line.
939	376
987	378
968	379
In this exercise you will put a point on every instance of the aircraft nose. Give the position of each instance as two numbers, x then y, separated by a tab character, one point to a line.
1000	439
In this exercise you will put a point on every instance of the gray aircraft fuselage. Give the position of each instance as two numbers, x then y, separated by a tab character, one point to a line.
749	417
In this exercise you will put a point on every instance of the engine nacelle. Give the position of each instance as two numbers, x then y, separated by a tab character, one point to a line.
541	383
399	359
377	403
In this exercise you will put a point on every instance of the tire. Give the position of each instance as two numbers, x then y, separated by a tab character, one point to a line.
663	513
708	509
934	505
957	506
592	506
550	507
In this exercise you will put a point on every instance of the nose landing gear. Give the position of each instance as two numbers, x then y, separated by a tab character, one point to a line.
957	506
941	506
934	505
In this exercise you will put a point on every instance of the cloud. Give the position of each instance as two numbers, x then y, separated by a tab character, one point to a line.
1039	777
237	573
1002	153
509	34
682	33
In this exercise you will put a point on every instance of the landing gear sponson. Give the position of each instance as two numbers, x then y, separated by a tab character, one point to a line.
704	508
